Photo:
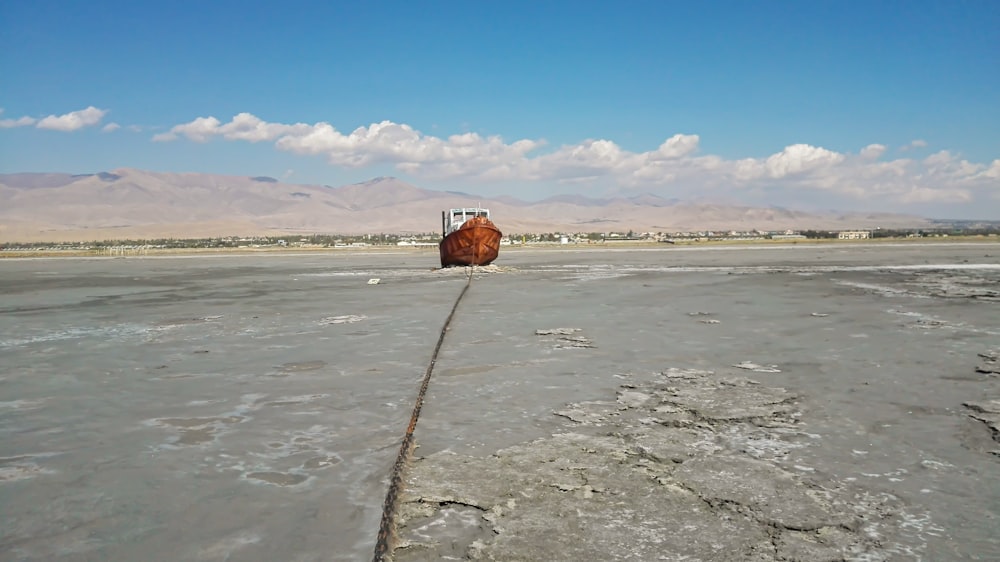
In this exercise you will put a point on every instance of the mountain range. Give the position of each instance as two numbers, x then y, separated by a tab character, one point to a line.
130	203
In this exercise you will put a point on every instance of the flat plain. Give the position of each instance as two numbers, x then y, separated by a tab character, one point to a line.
834	402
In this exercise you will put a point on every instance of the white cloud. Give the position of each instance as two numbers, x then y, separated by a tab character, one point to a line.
940	158
993	172
917	143
244	126
930	195
799	158
249	128
673	165
199	130
873	151
677	146
73	120
19	122
110	127
67	122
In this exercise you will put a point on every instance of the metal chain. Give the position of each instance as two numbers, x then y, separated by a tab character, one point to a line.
386	530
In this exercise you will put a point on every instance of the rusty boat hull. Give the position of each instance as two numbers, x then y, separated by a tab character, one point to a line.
476	242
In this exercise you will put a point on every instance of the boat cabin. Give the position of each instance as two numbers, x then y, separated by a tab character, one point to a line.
453	219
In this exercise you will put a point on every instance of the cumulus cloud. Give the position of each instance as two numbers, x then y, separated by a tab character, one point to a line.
110	127
993	172
73	120
674	164
799	158
676	146
244	127
67	122
917	143
19	122
873	151
199	130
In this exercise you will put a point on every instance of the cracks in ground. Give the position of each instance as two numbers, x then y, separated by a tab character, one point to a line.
987	412
715	450
441	504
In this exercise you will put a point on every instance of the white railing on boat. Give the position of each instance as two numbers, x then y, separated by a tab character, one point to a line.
452	219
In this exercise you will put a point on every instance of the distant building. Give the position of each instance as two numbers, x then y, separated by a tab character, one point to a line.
854	234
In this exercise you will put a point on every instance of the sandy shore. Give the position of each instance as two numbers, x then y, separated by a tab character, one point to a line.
834	402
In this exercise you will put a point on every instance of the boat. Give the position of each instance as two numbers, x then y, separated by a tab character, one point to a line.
470	237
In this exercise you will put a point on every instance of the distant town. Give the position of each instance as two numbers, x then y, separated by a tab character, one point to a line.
137	246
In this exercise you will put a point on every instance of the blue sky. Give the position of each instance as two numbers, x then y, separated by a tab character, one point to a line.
882	106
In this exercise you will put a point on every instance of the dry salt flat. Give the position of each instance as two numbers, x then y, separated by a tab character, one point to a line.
758	403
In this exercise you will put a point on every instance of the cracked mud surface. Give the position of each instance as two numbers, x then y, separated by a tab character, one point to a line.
857	437
682	467
797	403
988	412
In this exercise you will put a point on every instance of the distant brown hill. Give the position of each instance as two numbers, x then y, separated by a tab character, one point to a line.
128	203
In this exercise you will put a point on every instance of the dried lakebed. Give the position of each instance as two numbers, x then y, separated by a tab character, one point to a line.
815	403
702	463
686	466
